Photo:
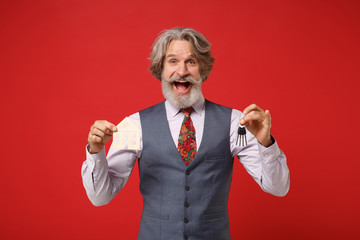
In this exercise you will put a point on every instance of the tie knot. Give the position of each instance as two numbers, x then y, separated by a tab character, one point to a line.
187	111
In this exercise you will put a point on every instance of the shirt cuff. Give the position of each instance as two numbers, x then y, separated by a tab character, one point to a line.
271	153
93	159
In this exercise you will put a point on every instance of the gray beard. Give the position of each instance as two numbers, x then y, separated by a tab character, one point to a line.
182	101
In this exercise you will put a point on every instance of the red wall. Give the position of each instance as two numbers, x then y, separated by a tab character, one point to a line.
64	64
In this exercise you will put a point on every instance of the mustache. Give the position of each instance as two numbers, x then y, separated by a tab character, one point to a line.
179	78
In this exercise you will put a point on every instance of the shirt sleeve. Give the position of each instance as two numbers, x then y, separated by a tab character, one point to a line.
267	165
104	176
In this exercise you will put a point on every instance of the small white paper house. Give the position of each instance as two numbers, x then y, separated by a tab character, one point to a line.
127	135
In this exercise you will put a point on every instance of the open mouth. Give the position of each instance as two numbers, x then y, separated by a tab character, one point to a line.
182	87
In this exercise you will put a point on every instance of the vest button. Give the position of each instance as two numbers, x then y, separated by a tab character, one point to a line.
186	220
187	204
187	172
187	188
186	237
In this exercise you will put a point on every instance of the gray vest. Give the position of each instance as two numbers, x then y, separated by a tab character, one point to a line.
185	202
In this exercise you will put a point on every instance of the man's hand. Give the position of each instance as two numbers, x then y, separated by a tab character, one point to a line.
100	133
258	122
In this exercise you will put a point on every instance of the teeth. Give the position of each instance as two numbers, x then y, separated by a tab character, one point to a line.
183	81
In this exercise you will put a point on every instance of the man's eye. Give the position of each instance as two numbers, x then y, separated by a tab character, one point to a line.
191	62
172	61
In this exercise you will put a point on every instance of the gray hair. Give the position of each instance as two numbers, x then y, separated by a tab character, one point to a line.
201	46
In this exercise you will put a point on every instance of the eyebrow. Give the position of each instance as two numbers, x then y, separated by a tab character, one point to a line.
174	55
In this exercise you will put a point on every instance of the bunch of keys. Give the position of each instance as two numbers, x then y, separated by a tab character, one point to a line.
241	137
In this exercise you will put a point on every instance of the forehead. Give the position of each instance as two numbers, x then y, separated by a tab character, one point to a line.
180	48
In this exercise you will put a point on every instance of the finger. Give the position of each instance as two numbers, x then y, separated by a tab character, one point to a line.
95	139
98	132
267	114
105	126
252	116
250	108
110	126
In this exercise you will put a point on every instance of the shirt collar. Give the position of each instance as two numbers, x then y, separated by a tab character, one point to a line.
199	106
172	111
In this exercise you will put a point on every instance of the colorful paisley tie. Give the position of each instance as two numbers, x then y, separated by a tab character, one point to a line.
187	141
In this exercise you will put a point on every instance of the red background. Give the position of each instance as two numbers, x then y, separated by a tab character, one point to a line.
64	64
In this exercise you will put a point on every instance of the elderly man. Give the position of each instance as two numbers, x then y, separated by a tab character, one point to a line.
187	149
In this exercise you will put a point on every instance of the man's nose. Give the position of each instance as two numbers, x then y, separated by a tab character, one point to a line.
182	70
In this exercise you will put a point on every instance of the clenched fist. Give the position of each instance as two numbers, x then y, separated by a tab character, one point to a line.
100	133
